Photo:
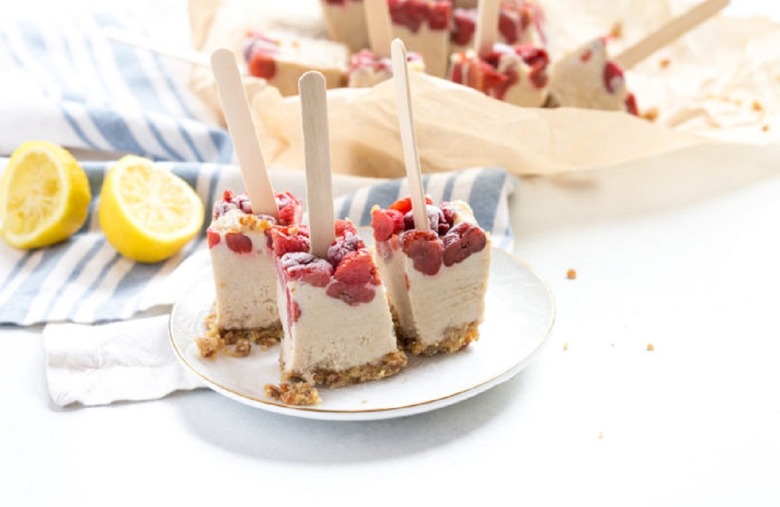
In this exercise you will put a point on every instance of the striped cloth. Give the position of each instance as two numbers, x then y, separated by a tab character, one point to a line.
85	280
64	81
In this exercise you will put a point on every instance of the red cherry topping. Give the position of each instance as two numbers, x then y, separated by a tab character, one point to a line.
425	250
464	26
352	294
342	246
357	268
307	268
262	65
462	241
289	239
213	238
238	243
613	77
290	209
386	222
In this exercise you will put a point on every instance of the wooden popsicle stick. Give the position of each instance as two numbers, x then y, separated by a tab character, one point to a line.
487	26
316	154
408	142
242	130
380	28
669	32
185	55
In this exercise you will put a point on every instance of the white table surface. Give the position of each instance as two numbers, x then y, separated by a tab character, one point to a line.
680	251
675	252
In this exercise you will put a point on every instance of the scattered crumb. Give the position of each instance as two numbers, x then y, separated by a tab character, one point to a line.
650	114
565	345
601	435
756	106
650	347
296	393
571	274
765	128
617	30
664	62
208	345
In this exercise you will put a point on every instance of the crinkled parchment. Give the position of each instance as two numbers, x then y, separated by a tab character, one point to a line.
720	81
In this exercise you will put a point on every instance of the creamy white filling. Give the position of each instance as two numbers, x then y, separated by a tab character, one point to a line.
331	334
577	80
296	55
346	23
523	92
245	283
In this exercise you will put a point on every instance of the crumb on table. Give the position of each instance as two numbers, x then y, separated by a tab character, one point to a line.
571	274
650	347
664	62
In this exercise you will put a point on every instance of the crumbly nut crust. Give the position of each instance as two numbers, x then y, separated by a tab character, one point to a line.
235	342
295	393
390	364
453	340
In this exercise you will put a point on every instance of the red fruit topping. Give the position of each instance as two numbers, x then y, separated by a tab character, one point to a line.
213	238
351	294
436	220
294	311
262	65
631	105
613	77
462	241
307	268
464	26
238	242
403	205
290	210
344	227
413	13
425	250
449	214
357	268
507	27
386	222
342	246
441	12
289	239
586	55
231	201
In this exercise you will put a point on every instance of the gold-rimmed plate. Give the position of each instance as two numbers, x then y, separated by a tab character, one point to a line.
519	314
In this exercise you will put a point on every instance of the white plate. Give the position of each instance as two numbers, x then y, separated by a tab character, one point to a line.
519	313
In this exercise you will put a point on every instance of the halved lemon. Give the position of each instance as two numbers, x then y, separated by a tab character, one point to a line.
44	196
147	213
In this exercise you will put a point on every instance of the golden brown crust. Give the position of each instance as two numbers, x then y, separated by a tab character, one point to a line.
235	342
390	364
454	339
295	393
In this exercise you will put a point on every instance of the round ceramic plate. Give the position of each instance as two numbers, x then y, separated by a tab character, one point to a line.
519	313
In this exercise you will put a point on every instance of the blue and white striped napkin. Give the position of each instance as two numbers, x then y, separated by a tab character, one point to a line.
64	81
84	280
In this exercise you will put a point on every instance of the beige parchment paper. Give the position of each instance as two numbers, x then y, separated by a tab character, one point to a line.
720	82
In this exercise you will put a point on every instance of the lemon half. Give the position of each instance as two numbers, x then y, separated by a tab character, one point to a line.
147	213
44	196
